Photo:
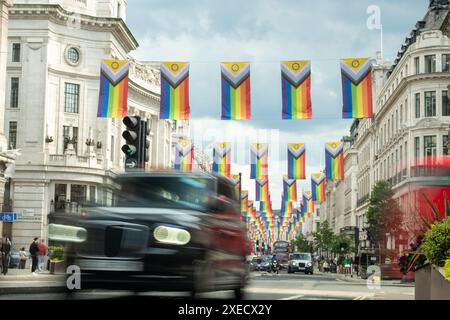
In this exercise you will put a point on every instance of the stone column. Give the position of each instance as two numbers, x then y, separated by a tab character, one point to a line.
4	6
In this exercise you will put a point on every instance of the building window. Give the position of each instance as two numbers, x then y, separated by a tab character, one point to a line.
446	63
92	198
119	9
445	146
60	197
417	105
67	137
401	116
429	146
430	64
417	65
112	148
71	97
14	103
445	104
16	52
417	149
430	104
78	193
73	55
12	135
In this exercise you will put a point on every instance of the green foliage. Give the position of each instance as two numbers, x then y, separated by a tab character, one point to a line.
56	253
436	245
324	237
300	244
342	244
383	214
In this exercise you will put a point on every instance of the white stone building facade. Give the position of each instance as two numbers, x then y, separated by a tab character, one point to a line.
68	155
411	121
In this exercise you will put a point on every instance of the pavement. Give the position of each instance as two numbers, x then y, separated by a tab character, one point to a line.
23	281
20	284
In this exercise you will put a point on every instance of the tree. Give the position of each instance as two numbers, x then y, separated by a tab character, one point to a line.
323	238
301	244
383	214
342	244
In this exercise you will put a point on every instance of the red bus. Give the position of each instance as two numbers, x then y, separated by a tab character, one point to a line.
282	249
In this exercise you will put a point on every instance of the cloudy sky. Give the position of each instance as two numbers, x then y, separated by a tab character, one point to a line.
265	32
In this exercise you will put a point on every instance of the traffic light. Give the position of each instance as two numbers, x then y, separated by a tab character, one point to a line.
137	145
146	144
132	148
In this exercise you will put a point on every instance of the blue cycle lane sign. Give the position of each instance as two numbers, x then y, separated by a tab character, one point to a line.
8	216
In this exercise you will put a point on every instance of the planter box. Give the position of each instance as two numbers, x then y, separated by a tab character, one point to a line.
57	267
431	284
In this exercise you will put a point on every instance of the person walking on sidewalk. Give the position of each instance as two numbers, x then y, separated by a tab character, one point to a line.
5	252
42	253
34	249
23	258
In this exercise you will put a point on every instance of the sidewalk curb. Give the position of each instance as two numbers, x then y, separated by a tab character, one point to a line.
31	290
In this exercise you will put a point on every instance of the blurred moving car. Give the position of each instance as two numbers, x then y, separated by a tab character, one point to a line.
14	260
301	262
260	263
164	232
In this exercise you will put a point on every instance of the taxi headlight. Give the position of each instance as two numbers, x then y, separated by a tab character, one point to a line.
171	235
309	264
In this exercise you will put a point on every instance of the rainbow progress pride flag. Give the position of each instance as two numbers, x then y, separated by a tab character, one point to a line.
289	189
236	99
308	203
262	190
236	180
296	90
222	159
297	161
357	88
259	157
244	201
334	160
318	186
184	154
113	99
175	91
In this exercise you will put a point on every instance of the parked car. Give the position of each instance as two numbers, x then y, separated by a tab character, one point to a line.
14	260
163	232
301	262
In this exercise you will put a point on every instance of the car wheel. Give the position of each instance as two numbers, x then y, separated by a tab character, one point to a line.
239	293
289	270
202	278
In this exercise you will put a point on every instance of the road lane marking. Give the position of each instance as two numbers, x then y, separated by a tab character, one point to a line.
293	297
318	293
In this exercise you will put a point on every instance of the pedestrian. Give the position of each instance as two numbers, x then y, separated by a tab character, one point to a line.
347	266
326	266
5	254
34	248
23	258
42	253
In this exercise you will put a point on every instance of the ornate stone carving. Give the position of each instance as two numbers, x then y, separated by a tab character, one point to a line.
145	73
437	3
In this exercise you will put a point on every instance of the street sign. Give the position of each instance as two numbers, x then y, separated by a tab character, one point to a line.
131	163
8	216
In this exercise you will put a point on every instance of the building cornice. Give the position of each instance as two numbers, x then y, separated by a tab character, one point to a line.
58	15
7	3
